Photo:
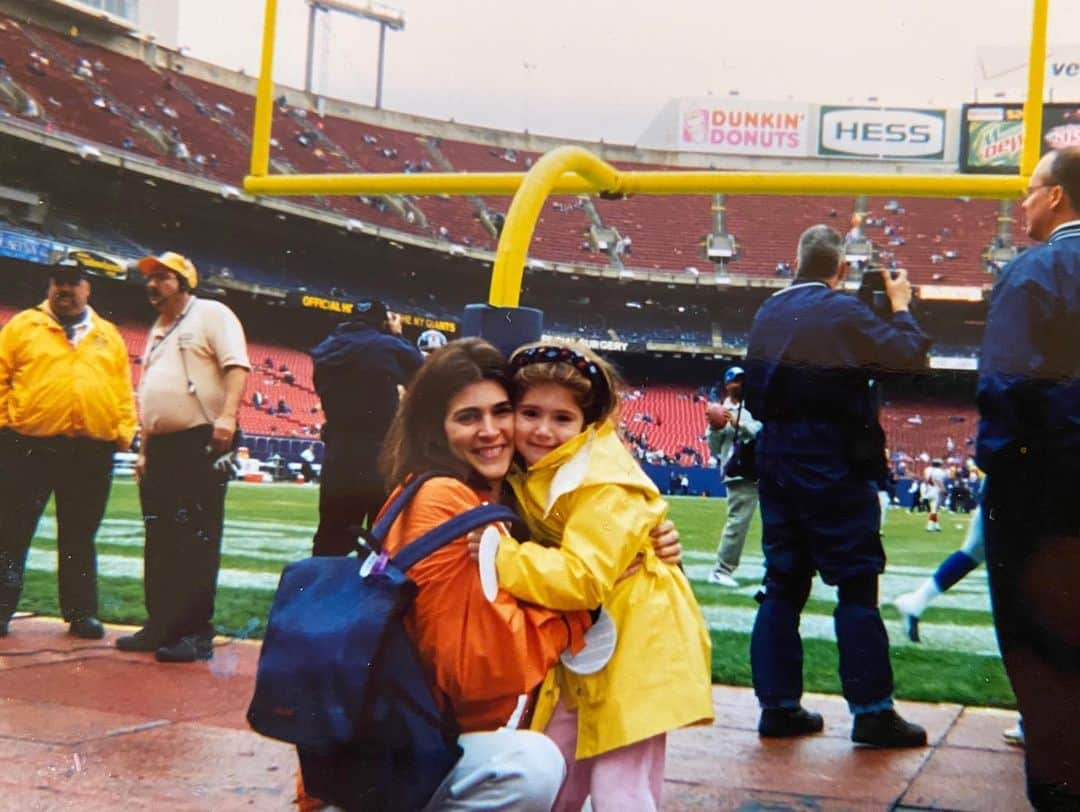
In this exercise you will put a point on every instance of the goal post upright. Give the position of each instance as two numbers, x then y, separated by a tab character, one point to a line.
574	170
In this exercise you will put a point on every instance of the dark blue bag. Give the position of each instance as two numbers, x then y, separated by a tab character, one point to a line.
339	677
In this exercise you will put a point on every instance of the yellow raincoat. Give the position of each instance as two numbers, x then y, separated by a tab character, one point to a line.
590	507
49	388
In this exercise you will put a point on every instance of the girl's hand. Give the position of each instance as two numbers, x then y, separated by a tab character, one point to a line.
665	541
635	565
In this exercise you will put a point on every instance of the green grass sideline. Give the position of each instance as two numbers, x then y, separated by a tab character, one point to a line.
921	674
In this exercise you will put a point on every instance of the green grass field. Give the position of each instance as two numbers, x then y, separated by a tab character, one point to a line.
269	525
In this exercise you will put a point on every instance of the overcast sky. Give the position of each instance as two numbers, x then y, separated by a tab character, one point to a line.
603	68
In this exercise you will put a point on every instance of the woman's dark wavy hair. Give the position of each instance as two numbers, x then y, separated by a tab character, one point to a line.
416	441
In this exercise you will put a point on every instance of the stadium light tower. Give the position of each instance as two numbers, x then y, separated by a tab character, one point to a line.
385	16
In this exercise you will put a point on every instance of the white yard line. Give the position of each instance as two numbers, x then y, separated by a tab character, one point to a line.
274	542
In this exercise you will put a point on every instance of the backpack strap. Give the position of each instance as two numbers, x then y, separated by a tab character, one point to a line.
458	526
377	533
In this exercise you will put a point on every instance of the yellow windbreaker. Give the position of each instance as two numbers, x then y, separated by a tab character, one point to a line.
590	508
49	388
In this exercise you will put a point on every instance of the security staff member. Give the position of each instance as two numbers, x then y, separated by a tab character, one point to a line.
358	369
1029	445
194	369
66	405
810	358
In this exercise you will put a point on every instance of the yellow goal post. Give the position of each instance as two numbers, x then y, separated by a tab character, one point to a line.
574	170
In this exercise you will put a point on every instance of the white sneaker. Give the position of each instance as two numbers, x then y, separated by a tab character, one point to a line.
933	528
905	605
1014	735
722	579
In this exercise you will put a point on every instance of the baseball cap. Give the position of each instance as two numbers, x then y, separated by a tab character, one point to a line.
733	373
67	271
430	340
171	261
369	311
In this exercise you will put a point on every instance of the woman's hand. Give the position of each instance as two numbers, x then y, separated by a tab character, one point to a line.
472	539
665	541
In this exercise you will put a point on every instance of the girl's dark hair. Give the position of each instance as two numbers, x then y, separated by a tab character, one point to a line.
591	380
416	440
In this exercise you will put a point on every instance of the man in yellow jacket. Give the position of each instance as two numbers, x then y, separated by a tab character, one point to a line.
66	404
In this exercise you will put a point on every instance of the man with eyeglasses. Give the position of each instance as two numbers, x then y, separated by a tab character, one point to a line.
1029	445
194	370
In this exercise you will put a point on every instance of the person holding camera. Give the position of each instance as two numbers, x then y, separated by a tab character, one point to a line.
194	370
359	369
811	359
731	434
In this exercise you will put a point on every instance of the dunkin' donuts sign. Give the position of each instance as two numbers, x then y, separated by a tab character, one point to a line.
734	127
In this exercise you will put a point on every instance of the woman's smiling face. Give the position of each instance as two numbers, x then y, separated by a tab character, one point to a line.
545	417
479	427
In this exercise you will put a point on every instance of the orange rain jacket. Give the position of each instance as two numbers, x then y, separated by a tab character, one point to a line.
481	656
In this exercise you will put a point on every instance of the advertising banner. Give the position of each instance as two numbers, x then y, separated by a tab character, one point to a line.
98	264
991	138
736	127
427	323
31	249
598	344
344	308
1005	68
869	132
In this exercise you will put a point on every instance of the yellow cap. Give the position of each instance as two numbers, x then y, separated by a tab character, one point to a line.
171	261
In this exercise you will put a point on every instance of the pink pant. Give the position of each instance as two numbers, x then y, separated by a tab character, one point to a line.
630	777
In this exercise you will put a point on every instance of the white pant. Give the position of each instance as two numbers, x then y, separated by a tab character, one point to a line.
502	769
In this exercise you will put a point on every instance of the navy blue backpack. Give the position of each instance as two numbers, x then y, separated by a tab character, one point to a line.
340	678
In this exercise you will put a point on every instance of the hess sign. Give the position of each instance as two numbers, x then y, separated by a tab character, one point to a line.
868	132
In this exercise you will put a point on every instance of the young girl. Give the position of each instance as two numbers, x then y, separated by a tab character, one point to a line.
590	507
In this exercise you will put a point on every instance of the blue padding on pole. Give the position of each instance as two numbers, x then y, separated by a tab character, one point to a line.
505	327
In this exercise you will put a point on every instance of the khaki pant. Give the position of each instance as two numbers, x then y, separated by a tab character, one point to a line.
742	501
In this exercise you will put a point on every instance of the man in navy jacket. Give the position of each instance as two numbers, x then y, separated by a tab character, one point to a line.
1029	444
811	361
358	369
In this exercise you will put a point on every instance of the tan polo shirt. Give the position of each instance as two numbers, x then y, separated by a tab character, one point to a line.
183	380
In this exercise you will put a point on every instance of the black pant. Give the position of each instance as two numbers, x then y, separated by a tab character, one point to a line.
183	505
1032	530
819	516
350	494
78	470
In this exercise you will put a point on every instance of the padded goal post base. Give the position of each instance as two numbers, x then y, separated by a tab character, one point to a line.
505	327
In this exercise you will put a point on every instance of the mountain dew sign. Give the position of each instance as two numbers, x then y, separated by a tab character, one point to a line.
992	136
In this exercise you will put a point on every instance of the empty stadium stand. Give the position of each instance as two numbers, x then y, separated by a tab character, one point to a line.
669	418
201	128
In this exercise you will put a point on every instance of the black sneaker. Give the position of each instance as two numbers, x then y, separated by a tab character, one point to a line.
886	729
786	723
142	640
186	650
912	624
88	628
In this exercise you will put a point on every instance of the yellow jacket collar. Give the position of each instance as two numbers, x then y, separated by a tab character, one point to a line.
593	457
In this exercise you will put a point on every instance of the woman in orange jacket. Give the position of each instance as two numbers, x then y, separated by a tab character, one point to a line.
485	659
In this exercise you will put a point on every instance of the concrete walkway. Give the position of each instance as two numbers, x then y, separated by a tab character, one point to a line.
86	727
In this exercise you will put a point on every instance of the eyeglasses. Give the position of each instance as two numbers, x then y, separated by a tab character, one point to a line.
1029	191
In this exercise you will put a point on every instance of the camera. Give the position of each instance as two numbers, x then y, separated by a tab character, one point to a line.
872	292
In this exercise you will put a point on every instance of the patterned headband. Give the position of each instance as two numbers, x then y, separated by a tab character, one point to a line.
550	354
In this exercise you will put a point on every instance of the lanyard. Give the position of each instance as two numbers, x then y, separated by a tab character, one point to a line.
158	342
